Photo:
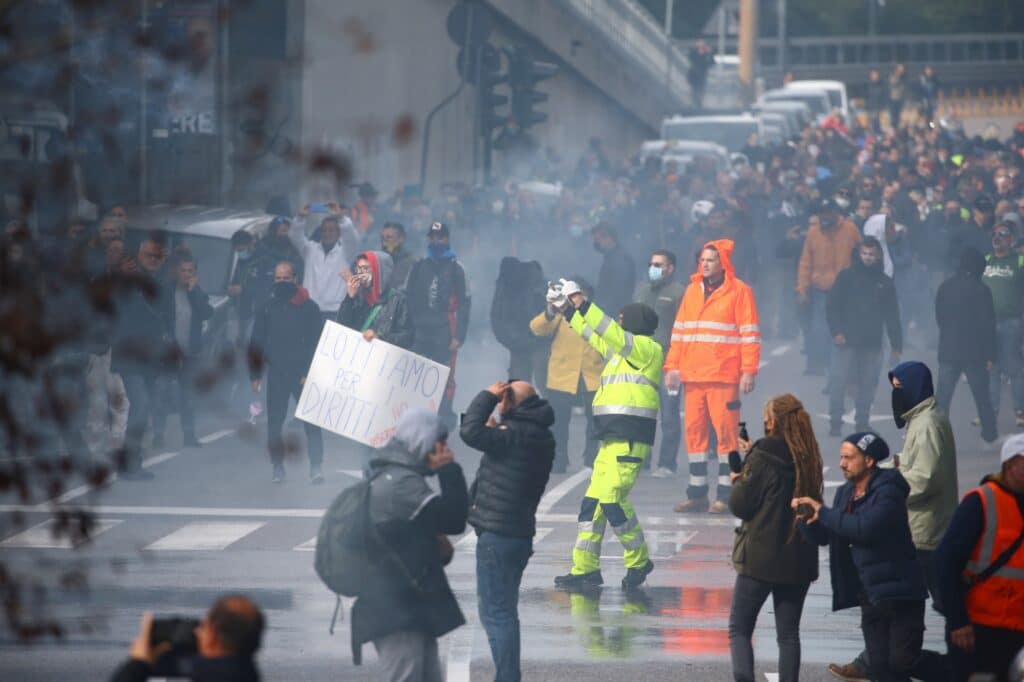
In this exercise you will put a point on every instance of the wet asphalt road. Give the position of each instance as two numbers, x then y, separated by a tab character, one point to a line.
211	522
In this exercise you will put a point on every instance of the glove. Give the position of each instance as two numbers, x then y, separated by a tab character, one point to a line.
569	288
555	296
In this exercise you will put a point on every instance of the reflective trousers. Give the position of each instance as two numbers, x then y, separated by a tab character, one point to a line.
615	470
706	404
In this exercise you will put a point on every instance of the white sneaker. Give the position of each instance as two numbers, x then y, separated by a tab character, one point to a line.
662	472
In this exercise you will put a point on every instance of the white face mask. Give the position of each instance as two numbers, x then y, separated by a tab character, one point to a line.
842	202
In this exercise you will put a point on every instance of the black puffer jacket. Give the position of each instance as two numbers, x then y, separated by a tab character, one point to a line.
767	545
515	467
966	315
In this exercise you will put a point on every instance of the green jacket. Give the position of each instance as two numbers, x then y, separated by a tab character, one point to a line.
664	298
627	401
928	463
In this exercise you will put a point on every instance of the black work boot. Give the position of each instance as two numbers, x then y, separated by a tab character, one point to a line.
579	582
635	577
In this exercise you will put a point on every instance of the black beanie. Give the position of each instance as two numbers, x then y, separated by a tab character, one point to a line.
871	444
638	318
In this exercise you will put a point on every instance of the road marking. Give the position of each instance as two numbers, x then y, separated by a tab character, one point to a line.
147	463
781	350
552	497
460	653
833	484
205	535
300	513
354	473
467	543
848	417
541	534
41	536
656	539
307	546
772	677
762	364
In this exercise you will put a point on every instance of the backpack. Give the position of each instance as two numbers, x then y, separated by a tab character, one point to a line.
518	298
346	540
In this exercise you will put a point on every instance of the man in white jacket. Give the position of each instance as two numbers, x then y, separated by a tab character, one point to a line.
325	259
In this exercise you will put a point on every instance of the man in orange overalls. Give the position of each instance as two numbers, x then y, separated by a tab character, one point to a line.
715	351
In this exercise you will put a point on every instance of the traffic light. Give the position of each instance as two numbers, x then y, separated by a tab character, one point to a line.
481	66
524	75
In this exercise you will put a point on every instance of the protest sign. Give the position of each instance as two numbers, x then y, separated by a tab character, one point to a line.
359	389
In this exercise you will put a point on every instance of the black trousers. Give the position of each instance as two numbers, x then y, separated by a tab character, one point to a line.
436	346
279	390
994	651
179	393
978	380
562	403
893	633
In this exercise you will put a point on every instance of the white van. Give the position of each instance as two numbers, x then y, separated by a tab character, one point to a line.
836	91
729	131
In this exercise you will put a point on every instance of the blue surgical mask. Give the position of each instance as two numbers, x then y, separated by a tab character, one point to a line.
437	250
244	255
655	273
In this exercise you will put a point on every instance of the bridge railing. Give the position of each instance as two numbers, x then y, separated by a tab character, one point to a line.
640	38
867	51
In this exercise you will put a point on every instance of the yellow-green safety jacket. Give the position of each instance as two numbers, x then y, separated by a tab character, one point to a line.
626	404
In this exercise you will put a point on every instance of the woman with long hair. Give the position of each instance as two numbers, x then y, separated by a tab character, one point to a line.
770	557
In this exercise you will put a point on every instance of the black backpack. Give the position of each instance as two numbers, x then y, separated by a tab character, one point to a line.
518	298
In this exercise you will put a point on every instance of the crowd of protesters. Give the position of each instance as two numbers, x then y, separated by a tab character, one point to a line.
857	236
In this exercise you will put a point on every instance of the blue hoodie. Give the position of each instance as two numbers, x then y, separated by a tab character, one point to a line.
916	387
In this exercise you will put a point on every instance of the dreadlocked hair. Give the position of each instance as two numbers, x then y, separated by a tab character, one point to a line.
793	424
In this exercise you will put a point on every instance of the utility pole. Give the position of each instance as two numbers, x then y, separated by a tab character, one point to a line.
781	18
748	44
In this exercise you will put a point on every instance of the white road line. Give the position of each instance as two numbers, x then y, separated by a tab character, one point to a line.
460	654
206	535
467	543
41	536
772	677
552	497
762	364
354	473
781	350
541	534
307	546
305	513
833	484
147	463
658	539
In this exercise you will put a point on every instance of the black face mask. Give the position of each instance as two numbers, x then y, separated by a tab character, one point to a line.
900	405
284	290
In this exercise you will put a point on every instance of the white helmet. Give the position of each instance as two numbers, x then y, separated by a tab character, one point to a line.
701	210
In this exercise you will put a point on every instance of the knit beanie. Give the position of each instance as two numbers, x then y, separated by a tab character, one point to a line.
871	444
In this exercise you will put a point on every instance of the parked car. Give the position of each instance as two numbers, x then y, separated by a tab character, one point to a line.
729	131
836	91
816	100
797	113
683	152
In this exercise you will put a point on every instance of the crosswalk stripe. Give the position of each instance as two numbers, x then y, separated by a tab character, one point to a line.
41	535
206	535
307	546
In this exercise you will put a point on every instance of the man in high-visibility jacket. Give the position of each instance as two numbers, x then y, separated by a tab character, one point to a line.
715	351
625	418
983	600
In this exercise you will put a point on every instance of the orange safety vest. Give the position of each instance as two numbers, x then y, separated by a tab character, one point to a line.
716	338
997	602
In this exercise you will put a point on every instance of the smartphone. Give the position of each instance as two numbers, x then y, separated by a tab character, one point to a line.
319	208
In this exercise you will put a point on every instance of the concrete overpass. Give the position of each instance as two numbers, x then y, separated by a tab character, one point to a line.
365	64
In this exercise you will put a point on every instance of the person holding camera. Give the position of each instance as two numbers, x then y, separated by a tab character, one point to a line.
769	555
220	648
408	603
513	473
871	556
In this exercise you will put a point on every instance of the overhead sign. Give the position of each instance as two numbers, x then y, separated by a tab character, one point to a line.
359	389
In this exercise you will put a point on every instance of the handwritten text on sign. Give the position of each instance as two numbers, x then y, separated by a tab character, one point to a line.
359	389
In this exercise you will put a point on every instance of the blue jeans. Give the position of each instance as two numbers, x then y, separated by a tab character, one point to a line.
500	561
859	369
748	597
671	428
1008	362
